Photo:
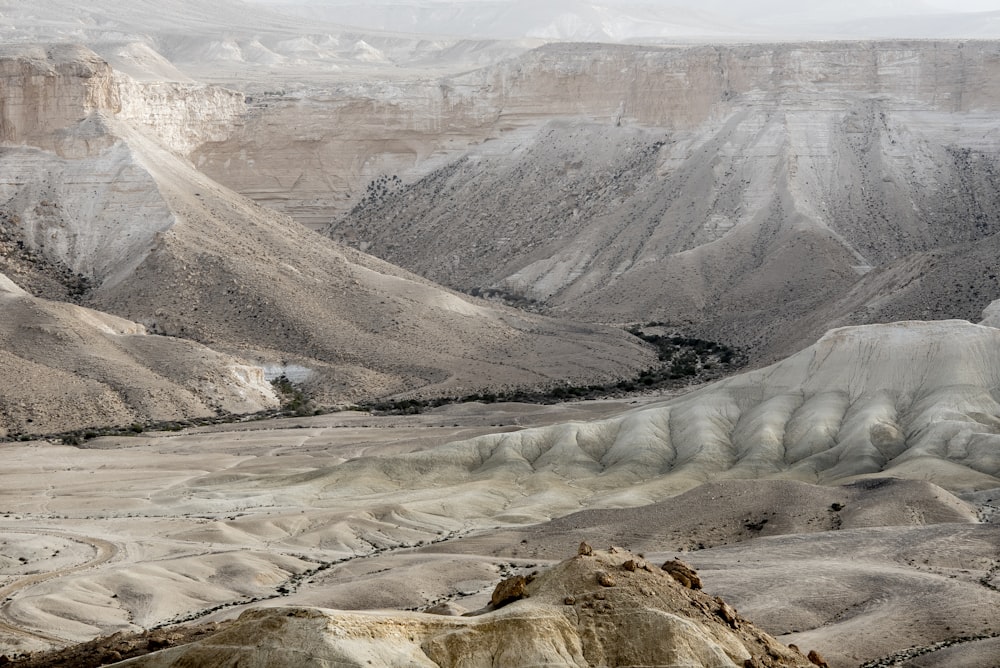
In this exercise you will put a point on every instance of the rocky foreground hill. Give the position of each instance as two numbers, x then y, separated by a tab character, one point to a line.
607	608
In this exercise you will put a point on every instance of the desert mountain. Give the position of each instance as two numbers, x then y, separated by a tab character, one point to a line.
554	20
758	195
845	496
260	47
97	189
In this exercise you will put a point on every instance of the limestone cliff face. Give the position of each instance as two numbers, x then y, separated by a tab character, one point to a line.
310	153
75	190
181	116
47	90
682	88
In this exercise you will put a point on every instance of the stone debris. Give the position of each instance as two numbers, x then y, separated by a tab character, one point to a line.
727	613
447	609
682	573
817	659
509	590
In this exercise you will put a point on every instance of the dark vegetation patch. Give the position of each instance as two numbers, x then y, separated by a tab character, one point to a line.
902	657
683	361
378	190
515	299
294	399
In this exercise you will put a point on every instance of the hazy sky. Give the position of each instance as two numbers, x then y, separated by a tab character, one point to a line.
628	19
742	6
967	5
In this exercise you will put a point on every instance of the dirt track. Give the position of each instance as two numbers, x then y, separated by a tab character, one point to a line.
105	551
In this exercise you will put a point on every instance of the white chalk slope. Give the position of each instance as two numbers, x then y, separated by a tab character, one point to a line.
910	399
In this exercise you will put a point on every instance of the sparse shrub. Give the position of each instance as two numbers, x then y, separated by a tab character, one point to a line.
293	398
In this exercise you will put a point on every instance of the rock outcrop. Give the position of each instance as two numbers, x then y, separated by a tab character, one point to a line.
644	619
683	573
182	116
48	89
510	590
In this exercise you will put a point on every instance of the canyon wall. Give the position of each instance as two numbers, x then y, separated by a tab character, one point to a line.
311	152
47	90
182	116
71	188
105	198
756	195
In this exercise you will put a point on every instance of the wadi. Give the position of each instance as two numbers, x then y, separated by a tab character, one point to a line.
672	340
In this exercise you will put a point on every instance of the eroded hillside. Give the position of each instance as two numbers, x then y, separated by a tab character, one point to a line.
736	191
99	198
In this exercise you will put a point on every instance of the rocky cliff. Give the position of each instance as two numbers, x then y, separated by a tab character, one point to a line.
182	116
357	131
50	89
75	191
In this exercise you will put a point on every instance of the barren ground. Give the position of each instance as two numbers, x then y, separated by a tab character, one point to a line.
135	533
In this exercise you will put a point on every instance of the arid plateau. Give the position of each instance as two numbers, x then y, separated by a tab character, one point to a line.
499	334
